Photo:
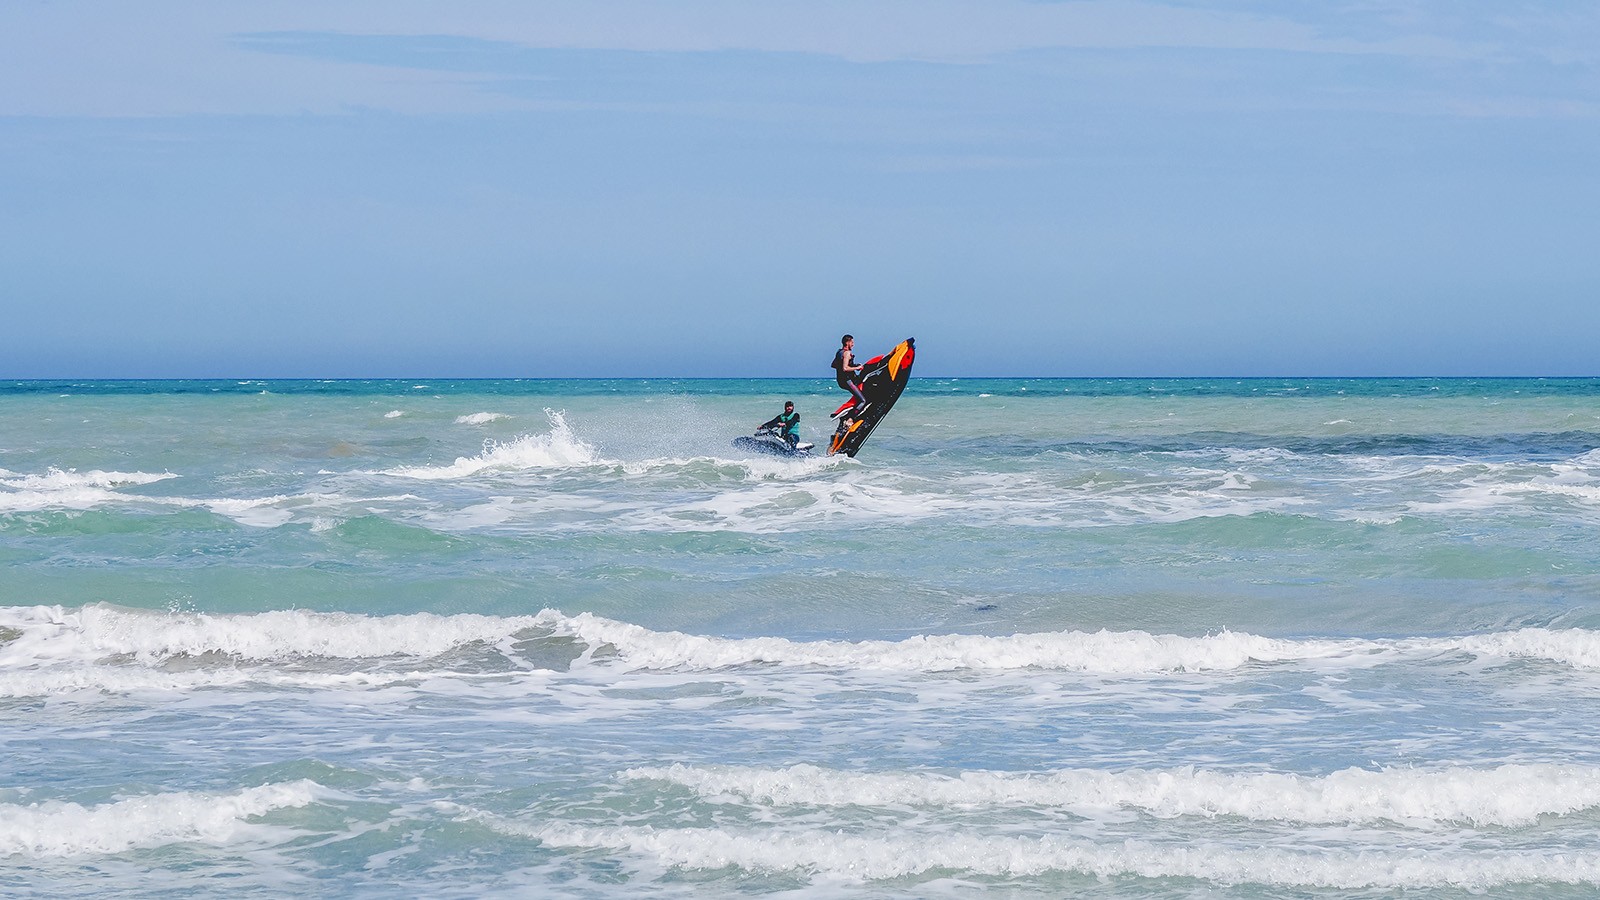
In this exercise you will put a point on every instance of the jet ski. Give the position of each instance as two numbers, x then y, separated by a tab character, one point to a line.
770	442
882	380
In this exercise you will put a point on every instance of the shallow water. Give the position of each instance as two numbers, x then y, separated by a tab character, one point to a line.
1256	638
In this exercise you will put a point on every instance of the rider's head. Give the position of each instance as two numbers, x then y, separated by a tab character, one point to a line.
845	341
788	405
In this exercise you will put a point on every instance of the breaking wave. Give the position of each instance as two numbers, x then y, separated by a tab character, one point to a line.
55	828
1507	795
876	856
55	479
53	633
104	647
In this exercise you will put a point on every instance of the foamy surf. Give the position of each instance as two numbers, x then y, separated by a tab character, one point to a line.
1101	652
91	632
55	828
94	681
69	489
54	479
1508	795
1575	647
74	498
1104	652
93	491
41	635
480	418
858	857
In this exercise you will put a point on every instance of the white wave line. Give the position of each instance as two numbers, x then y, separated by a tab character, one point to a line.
872	857
46	635
57	828
1506	795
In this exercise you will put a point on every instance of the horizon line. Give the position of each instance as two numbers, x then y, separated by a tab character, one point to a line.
823	378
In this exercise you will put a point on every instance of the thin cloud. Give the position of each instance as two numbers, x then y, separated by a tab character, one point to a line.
173	58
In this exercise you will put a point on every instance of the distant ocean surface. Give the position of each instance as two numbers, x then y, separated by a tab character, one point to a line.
1259	638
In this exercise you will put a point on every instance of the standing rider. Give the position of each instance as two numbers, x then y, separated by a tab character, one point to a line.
848	373
787	423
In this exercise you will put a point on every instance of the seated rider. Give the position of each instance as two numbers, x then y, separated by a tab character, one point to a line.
787	424
847	373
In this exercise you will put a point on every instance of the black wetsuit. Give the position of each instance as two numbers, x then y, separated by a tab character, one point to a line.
845	381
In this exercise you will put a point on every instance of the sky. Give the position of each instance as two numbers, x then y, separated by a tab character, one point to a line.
410	188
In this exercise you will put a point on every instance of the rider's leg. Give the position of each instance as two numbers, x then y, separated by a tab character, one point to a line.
855	388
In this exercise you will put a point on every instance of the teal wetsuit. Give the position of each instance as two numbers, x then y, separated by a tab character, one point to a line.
788	424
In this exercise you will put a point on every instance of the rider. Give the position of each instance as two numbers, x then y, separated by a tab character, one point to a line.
787	423
848	374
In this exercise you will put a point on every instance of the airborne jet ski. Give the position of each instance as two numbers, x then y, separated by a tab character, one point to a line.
769	441
882	380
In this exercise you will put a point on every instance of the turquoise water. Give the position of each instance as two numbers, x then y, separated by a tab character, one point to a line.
1145	637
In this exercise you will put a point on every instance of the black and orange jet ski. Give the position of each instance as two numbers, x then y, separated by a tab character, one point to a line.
882	380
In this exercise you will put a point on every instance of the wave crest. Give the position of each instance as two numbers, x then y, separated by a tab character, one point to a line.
1506	795
58	828
52	633
55	479
876	856
42	646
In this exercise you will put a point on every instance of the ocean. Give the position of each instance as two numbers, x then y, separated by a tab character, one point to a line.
1183	638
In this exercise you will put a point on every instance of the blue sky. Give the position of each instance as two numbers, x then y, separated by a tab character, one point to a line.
1097	187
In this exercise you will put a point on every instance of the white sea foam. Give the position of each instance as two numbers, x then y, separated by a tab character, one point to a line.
1578	647
1237	456
1589	493
57	682
72	498
784	495
55	479
42	634
557	449
480	418
91	632
55	828
1486	486
393	414
1236	481
1107	652
1505	795
69	488
754	469
877	856
1103	652
278	509
774	500
257	512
